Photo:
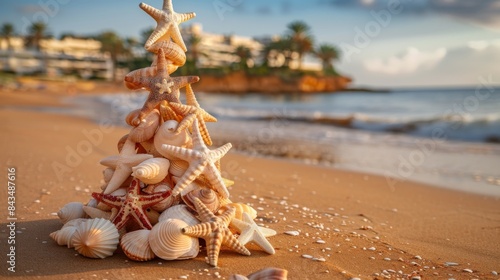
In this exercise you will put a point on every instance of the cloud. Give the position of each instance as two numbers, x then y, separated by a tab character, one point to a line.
482	12
410	61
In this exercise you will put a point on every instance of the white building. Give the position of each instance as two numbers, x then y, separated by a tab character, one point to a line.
69	56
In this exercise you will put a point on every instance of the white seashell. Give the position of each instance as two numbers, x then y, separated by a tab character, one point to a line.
93	213
169	243
107	174
240	209
148	147
92	203
70	211
74	222
180	212
178	167
63	236
206	196
167	134
151	171
135	245
96	238
146	128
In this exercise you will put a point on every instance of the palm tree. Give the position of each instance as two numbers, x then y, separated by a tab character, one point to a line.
301	38
327	54
244	54
283	46
114	45
37	32
7	31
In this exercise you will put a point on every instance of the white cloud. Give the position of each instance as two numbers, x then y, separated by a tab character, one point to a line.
482	44
408	62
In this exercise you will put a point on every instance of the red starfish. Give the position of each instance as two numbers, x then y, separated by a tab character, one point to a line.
132	205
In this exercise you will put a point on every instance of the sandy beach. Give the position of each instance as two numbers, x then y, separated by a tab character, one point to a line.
370	230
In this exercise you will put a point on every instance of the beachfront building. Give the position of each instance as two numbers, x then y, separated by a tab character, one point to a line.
68	56
218	50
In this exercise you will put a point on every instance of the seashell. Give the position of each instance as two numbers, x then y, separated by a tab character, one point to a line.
92	203
74	222
96	238
121	142
146	128
268	273
180	212
207	196
148	147
151	171
168	201
178	167
135	245
167	134
172	51
240	208
93	213
70	211
63	236
169	243
132	116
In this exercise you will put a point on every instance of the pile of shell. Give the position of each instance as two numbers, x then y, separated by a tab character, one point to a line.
164	190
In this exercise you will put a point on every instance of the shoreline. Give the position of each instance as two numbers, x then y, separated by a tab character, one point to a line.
370	230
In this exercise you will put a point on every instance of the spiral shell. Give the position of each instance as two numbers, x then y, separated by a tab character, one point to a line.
135	245
151	171
240	209
70	211
166	134
63	236
165	203
178	167
96	238
172	51
207	196
146	128
168	242
180	212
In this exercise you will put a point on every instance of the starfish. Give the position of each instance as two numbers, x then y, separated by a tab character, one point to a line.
251	232
122	164
161	86
202	161
167	21
193	108
132	206
214	229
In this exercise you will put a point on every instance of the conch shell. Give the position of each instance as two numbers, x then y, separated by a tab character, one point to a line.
168	242
180	212
96	238
151	171
240	209
135	245
207	196
70	211
146	128
166	134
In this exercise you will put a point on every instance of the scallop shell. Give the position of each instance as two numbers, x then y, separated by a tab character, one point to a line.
146	128
151	171
96	238
70	211
207	196
180	212
135	245
178	167
169	243
63	236
166	134
240	208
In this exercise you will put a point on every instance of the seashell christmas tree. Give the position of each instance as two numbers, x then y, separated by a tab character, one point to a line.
163	190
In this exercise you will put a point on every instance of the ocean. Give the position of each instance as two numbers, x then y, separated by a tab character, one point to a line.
444	137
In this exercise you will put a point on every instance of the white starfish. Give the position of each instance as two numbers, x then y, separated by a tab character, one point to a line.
251	232
122	164
167	23
201	161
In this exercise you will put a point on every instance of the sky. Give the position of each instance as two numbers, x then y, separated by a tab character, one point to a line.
384	43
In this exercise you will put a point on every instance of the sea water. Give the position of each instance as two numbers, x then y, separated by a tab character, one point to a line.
443	137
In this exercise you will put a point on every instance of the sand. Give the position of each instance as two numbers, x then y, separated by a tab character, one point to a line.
369	229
